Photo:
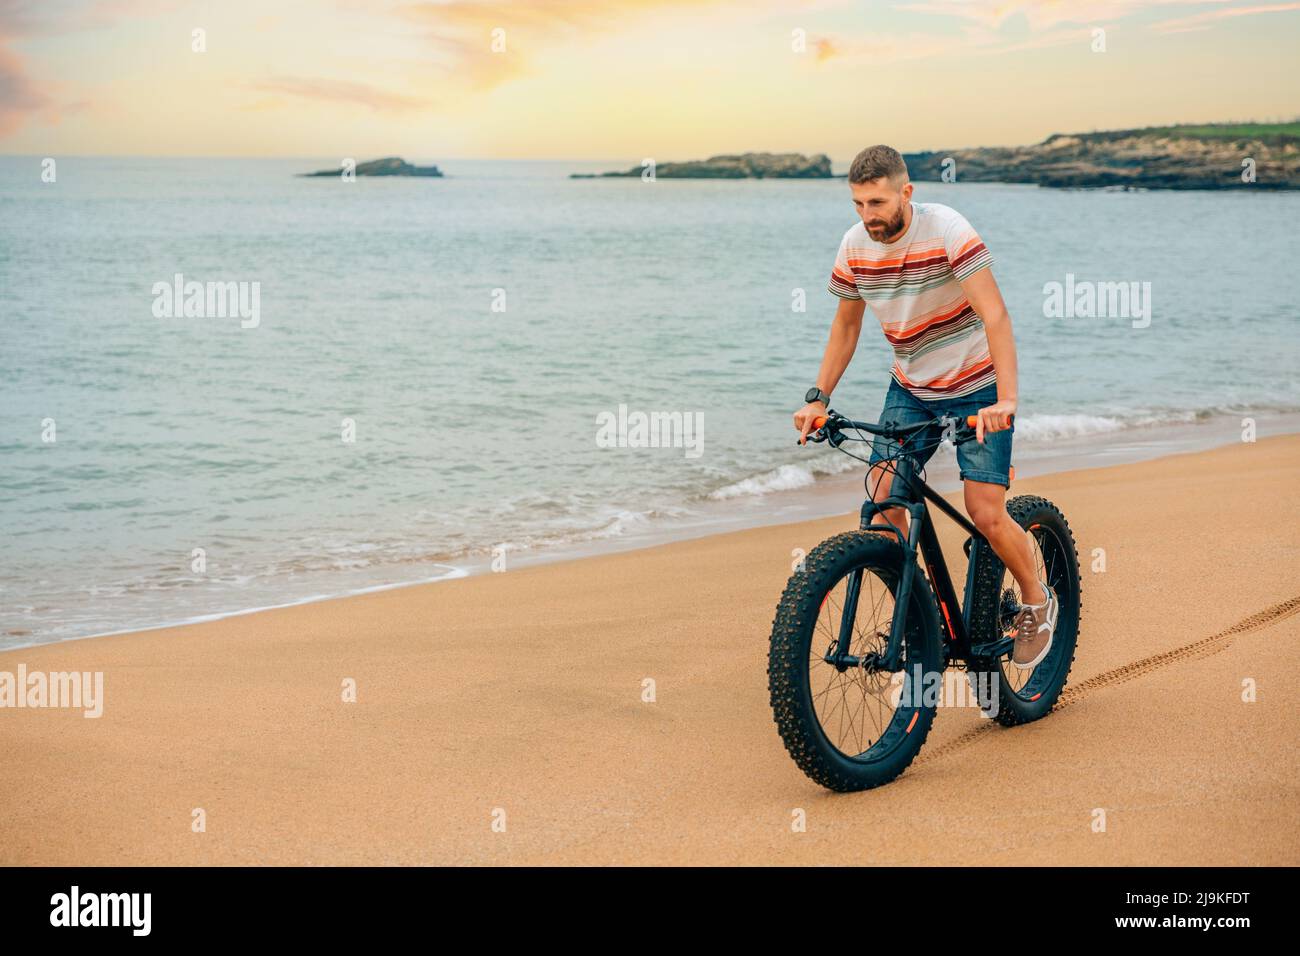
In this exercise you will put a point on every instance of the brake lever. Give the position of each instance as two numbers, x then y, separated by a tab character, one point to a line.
820	435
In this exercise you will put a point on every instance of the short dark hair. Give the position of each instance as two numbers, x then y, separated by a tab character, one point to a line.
875	162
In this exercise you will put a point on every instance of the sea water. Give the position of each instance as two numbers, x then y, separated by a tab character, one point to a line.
423	390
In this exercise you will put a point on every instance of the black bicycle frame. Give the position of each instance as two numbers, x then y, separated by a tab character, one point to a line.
909	492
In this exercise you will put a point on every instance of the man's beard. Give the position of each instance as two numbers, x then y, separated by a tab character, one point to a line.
891	228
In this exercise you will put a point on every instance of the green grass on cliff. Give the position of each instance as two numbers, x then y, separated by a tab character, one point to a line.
1220	131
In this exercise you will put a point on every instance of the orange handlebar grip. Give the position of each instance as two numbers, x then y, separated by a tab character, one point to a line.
819	421
972	419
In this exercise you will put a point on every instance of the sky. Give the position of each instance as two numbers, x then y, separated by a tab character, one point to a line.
600	79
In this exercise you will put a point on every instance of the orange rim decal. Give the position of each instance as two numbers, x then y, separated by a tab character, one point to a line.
1036	696
952	635
951	632
912	722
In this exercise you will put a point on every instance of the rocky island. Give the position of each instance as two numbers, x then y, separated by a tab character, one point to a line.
1212	156
389	166
743	166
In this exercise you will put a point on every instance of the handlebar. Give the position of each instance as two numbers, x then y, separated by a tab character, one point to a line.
839	423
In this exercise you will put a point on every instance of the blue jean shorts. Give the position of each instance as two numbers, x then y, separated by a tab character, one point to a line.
989	462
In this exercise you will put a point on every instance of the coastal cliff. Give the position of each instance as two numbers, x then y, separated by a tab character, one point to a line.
741	166
1216	156
389	166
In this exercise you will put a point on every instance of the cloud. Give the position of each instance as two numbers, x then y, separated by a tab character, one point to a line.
1043	14
826	50
482	16
18	98
462	31
474	46
18	95
54	17
340	91
1008	26
1202	20
892	48
21	98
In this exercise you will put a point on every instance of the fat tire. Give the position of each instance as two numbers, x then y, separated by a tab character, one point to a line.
792	631
985	599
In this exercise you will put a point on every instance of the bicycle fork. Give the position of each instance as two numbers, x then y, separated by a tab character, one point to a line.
891	660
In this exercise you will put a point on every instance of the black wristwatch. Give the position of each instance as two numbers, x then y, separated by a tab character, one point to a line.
815	394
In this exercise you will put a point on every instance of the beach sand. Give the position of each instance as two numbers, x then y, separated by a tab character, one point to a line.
517	696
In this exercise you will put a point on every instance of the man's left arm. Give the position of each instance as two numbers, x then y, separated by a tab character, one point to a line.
986	299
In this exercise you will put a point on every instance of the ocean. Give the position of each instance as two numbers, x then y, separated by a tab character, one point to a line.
407	378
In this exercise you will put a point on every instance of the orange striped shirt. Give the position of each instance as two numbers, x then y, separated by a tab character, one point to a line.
913	287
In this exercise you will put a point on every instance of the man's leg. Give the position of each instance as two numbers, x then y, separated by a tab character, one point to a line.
987	506
901	408
879	481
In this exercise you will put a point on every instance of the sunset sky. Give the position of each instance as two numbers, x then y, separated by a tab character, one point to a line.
597	79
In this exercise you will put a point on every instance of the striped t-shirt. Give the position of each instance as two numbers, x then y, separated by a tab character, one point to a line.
911	284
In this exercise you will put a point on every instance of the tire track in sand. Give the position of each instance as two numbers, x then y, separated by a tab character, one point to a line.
1074	693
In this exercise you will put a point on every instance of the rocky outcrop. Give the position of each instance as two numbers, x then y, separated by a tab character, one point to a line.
743	166
1175	157
389	166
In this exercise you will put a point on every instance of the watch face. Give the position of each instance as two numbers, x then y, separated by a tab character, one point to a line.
813	394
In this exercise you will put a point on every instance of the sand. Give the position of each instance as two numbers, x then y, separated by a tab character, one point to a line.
500	718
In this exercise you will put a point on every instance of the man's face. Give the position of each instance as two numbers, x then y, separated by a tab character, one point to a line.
880	204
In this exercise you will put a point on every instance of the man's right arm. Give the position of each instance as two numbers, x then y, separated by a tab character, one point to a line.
841	345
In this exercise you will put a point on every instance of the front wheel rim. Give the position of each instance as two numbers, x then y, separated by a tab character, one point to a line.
854	710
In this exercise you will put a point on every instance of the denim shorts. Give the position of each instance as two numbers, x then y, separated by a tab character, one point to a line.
989	462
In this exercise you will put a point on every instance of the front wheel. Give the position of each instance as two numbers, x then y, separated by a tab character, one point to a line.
994	599
849	727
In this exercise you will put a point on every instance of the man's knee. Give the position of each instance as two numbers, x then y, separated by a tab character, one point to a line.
986	513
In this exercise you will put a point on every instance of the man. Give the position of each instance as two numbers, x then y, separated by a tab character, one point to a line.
925	273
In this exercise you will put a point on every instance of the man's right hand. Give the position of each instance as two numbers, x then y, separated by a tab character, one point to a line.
805	419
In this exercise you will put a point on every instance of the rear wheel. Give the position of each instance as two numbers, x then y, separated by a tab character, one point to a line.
848	727
1025	695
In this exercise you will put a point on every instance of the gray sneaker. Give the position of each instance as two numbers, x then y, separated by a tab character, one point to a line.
1035	624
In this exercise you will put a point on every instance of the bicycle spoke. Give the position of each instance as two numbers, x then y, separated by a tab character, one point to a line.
853	705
